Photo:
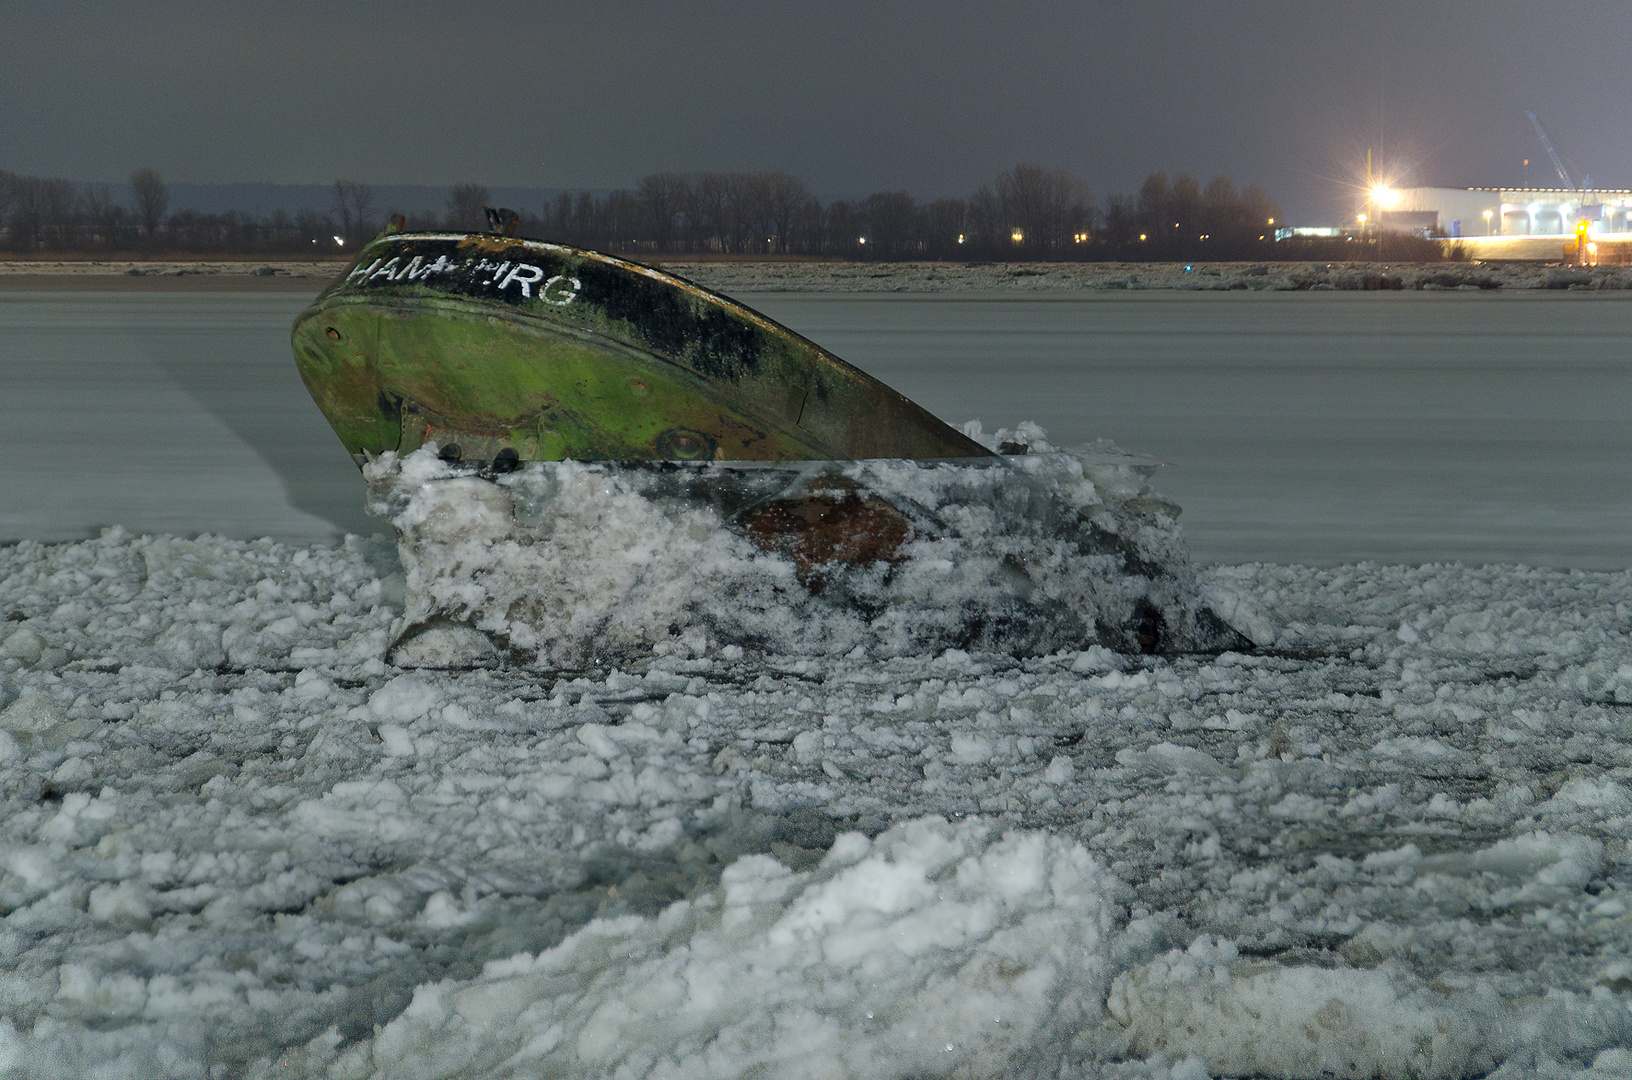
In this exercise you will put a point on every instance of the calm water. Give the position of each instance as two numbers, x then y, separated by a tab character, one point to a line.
164	412
1303	427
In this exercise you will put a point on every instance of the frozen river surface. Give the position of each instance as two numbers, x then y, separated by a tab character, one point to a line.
1317	428
236	841
1313	428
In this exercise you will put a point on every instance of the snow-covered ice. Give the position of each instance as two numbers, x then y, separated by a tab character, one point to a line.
776	275
1393	841
1053	277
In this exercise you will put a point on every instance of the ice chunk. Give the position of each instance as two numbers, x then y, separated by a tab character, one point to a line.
128	903
22	644
398	743
1165	758
935	949
32	713
1246	1018
1601	793
563	563
403	699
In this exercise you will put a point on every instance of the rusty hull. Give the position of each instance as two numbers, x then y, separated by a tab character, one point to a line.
505	350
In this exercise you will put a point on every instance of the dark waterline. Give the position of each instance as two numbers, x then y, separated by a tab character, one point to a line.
1313	428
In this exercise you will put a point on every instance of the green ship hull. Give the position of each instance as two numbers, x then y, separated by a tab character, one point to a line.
504	350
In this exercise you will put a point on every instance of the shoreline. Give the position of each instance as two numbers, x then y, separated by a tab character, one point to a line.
760	275
171	275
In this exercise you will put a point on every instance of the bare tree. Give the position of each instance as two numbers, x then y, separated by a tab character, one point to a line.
888	219
784	197
1121	219
1046	207
842	230
103	216
557	217
352	203
59	200
27	215
1261	210
42	213
741	213
152	200
809	221
1184	203
942	228
588	219
313	228
663	199
1154	196
706	214
988	231
1166	209
466	207
1177	216
8	192
1028	211
623	221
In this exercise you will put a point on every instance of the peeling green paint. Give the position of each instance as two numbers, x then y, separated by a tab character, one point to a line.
498	345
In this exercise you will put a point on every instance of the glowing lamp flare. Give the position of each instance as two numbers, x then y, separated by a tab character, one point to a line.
1385	197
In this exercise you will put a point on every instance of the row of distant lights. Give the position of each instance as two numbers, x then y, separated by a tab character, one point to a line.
1536	207
1386	198
1203	236
1019	236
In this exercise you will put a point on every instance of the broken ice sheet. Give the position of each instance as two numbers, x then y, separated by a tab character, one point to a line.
213	866
562	564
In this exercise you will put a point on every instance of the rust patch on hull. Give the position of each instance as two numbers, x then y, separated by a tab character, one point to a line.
817	529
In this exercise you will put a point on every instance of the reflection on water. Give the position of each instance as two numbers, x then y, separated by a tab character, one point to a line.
1299	427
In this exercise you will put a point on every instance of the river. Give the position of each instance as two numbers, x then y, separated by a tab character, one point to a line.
1317	428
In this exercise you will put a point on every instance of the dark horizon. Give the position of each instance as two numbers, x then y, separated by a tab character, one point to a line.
851	97
1027	212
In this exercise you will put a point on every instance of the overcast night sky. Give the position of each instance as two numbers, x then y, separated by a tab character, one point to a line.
934	98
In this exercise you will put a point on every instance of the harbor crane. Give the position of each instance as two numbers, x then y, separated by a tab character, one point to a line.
1587	208
1587	211
1552	152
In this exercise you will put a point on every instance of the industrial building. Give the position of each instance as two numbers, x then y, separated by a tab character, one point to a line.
1507	223
1476	212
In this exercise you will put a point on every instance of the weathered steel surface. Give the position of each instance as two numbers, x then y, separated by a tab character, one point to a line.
505	350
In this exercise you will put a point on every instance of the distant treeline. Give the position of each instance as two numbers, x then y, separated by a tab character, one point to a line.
1028	212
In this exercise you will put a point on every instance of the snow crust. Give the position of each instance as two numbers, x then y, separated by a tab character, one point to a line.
933	944
562	563
810	276
236	842
931	277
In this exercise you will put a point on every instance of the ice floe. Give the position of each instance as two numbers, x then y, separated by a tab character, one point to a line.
560	564
1391	841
